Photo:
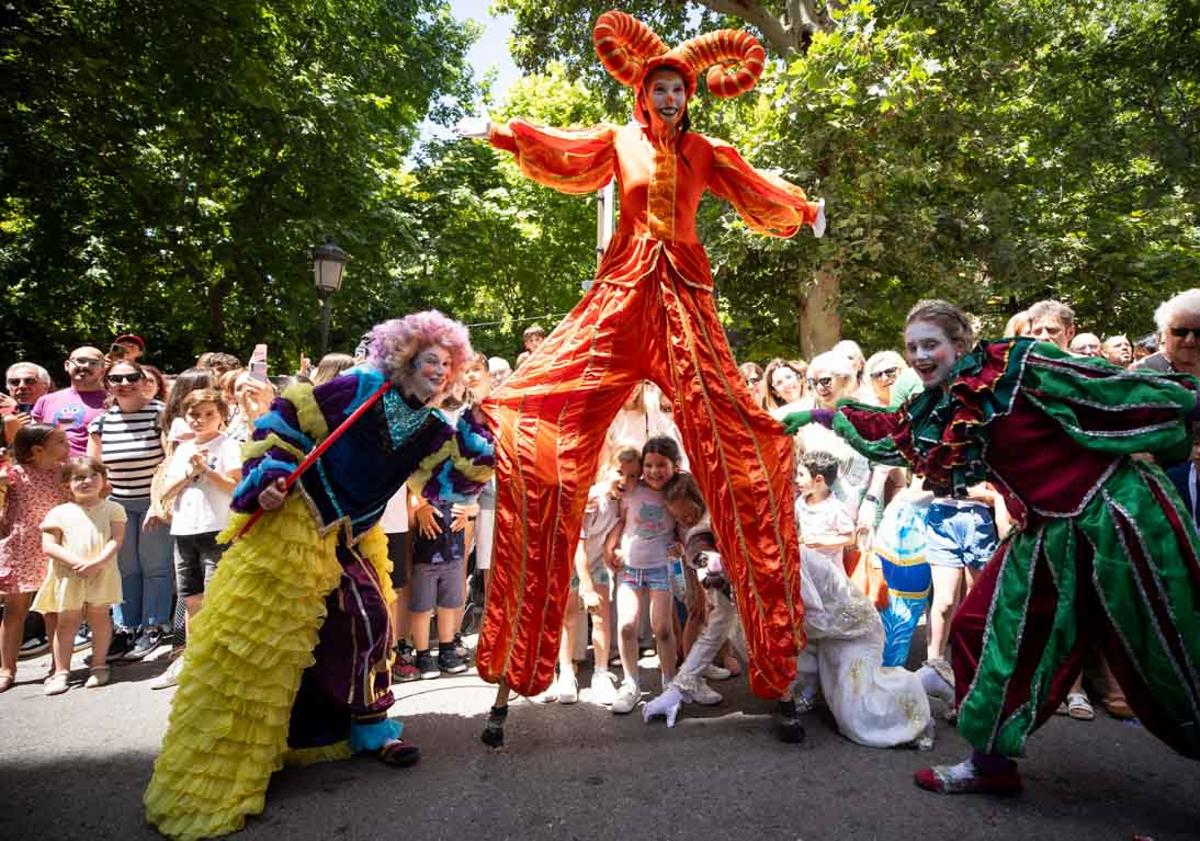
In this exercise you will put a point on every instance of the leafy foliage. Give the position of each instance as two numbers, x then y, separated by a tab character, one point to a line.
165	167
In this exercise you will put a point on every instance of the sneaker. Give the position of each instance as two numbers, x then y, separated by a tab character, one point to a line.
34	647
715	672
122	642
404	671
170	677
57	684
426	666
99	677
705	695
568	688
460	647
83	638
148	640
603	690
449	661
627	698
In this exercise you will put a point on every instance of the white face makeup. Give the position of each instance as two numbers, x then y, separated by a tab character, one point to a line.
930	352
430	372
667	96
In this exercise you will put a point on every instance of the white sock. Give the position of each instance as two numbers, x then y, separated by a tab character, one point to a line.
964	770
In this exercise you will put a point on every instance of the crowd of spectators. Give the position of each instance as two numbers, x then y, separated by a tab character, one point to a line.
163	449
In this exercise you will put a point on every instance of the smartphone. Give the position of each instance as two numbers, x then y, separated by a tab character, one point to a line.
116	352
258	363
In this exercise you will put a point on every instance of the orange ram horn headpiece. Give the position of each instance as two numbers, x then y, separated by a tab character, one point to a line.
629	51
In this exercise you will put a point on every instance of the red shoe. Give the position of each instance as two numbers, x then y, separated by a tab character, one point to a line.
940	778
404	672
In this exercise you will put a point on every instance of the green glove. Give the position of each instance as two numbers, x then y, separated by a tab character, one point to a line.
794	421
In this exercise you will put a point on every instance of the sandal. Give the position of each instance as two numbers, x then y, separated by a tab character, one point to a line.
6	681
1079	707
399	753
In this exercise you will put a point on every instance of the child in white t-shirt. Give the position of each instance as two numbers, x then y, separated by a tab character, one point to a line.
826	529
825	525
199	483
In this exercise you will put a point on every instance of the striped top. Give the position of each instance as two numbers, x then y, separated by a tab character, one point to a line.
131	448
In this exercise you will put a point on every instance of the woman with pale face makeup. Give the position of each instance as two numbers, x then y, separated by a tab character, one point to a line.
1022	415
311	671
649	315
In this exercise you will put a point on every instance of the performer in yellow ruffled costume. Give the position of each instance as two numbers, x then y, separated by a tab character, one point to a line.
289	661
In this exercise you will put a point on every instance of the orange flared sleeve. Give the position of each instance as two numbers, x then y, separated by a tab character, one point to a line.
767	203
568	160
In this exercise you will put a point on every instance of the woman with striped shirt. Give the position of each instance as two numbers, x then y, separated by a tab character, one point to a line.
127	438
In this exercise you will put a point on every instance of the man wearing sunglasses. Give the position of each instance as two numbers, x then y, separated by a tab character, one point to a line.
71	409
25	383
1178	323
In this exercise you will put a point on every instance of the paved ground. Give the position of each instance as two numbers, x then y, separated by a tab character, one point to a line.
74	767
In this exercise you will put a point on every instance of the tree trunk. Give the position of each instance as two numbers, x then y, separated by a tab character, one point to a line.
819	325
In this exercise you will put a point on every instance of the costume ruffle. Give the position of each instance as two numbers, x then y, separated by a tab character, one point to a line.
229	720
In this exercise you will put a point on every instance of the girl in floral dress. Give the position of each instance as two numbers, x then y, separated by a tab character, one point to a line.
29	488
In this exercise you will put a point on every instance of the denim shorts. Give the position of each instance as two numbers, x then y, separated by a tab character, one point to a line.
654	578
960	533
601	577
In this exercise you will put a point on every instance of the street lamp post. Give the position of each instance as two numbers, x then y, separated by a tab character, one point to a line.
328	263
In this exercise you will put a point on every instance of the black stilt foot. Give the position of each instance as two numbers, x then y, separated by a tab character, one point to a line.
787	723
493	730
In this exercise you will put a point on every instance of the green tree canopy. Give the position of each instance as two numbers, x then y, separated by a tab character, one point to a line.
165	166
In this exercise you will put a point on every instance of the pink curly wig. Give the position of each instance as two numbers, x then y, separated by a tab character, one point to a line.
395	343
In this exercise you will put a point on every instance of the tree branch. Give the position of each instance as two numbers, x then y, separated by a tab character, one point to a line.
786	35
777	33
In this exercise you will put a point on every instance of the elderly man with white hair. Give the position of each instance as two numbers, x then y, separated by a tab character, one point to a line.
1178	323
26	382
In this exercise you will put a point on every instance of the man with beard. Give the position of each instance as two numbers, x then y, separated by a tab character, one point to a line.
71	409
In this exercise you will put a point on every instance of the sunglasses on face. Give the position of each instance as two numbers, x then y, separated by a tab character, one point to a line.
886	372
15	381
86	363
1184	332
753	380
820	382
117	379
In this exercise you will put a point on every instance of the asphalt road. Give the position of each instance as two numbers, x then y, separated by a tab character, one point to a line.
74	767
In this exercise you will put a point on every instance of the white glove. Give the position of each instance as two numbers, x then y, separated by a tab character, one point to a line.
474	127
666	705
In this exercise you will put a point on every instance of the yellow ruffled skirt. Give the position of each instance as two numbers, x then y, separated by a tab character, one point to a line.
246	651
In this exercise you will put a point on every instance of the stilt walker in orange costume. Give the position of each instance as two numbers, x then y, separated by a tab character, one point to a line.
649	315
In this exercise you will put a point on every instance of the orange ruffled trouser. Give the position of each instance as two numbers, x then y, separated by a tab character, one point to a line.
552	417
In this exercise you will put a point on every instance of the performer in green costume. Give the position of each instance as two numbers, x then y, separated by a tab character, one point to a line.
1105	556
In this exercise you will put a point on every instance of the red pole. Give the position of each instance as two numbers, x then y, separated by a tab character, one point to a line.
318	450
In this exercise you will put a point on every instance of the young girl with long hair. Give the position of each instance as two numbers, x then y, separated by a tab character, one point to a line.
638	551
